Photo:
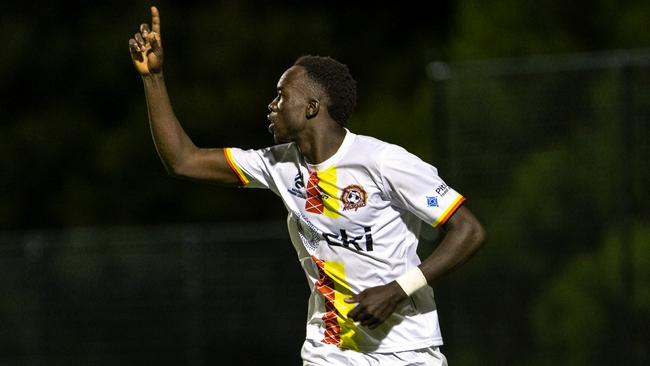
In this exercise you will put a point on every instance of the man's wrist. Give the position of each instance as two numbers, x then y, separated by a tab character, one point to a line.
412	281
153	77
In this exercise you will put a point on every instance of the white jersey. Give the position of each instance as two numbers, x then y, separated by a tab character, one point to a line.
354	221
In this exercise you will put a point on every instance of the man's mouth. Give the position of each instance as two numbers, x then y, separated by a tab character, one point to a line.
272	124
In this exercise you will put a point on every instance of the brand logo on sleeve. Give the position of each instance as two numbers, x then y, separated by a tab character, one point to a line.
432	201
353	197
442	189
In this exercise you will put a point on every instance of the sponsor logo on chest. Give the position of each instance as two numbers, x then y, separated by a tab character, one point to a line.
298	188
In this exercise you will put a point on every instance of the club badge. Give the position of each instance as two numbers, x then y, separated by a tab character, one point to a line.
353	197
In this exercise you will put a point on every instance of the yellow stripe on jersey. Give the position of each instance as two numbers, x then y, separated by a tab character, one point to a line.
331	200
235	168
449	211
348	329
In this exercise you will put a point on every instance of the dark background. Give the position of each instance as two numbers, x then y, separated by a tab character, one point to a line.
105	259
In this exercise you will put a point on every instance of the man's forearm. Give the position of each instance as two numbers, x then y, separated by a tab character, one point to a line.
464	237
171	141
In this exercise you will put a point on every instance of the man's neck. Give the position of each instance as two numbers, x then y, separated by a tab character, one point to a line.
322	144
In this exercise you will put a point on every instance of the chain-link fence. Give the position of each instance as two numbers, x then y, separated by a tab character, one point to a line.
552	152
184	295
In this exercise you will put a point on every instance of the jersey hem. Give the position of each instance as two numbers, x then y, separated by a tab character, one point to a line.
410	347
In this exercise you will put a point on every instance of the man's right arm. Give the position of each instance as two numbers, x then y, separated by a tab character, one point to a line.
178	153
176	150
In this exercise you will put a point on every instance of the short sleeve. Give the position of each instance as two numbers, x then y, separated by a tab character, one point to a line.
414	185
250	166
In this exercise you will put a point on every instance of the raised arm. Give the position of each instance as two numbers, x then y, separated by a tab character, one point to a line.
178	153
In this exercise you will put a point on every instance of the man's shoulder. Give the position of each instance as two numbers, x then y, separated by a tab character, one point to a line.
374	147
281	152
384	154
371	142
283	148
269	155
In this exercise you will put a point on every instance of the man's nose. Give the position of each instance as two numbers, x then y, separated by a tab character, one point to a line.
272	106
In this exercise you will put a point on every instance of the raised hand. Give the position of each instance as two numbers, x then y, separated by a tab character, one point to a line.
146	47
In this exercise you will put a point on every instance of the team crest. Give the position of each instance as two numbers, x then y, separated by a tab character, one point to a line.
353	197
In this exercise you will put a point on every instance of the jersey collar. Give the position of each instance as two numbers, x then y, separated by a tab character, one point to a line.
332	160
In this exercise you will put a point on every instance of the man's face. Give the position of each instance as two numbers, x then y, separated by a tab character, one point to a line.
288	110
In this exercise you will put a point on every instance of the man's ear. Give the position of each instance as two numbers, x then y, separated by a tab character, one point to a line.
313	108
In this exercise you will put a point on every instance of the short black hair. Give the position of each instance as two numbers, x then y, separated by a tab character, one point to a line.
337	82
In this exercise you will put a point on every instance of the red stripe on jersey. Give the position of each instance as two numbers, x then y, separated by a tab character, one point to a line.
314	202
325	286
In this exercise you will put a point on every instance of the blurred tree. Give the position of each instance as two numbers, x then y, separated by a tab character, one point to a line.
515	28
577	316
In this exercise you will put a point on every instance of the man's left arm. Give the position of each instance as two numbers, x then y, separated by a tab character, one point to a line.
464	236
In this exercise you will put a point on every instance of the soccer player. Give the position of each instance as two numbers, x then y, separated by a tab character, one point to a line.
355	207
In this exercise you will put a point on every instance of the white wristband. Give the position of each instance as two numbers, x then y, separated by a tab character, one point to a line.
412	281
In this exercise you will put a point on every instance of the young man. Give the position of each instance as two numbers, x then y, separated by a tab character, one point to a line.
356	205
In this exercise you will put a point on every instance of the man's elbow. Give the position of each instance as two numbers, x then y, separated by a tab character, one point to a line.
176	169
467	226
173	172
478	234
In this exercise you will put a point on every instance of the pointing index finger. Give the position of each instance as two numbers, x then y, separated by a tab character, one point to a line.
155	20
